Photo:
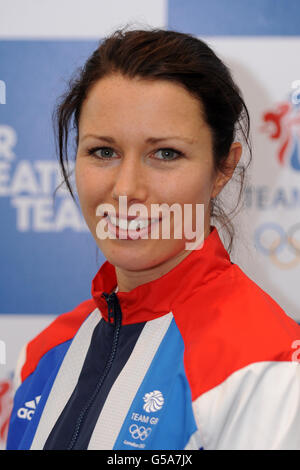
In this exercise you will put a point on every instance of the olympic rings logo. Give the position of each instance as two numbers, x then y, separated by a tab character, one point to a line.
139	432
277	241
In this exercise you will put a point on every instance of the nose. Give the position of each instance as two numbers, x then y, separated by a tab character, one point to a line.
130	180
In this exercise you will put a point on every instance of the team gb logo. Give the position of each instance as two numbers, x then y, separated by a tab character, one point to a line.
153	401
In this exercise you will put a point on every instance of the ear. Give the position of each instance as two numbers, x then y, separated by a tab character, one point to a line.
224	175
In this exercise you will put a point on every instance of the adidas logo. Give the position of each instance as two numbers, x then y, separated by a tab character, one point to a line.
28	410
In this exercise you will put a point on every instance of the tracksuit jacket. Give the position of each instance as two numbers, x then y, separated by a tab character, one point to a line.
201	358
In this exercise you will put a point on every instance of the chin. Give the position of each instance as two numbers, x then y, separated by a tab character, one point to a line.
130	261
139	255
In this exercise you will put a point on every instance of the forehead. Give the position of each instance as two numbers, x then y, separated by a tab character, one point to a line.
118	99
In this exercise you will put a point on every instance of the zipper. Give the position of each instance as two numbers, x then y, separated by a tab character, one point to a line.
114	316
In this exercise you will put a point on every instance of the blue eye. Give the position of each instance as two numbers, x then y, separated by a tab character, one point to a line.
168	154
105	152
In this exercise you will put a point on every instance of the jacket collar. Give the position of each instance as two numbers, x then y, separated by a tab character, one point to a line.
156	298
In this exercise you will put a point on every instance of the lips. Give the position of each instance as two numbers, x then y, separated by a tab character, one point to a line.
131	227
129	224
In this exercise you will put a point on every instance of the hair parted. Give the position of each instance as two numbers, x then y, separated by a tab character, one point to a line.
157	54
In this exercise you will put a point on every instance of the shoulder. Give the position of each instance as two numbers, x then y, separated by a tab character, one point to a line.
230	323
253	310
257	316
241	364
62	329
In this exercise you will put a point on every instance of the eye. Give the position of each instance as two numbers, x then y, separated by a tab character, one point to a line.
169	154
105	152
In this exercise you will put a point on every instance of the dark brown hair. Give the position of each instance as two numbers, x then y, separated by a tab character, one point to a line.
158	54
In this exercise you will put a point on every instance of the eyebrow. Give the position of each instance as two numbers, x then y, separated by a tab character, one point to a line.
149	140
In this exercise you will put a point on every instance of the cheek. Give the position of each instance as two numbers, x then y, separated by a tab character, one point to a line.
90	185
192	187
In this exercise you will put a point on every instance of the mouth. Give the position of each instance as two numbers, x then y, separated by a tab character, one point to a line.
130	227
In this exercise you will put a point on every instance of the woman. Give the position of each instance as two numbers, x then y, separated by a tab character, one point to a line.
177	348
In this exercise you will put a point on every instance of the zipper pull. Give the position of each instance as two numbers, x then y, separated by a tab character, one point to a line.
112	305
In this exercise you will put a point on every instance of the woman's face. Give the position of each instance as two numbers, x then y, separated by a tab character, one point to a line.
126	162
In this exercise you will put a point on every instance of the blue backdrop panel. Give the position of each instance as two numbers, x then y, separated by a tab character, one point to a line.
235	17
43	271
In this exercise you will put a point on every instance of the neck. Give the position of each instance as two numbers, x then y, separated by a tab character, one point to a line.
129	280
